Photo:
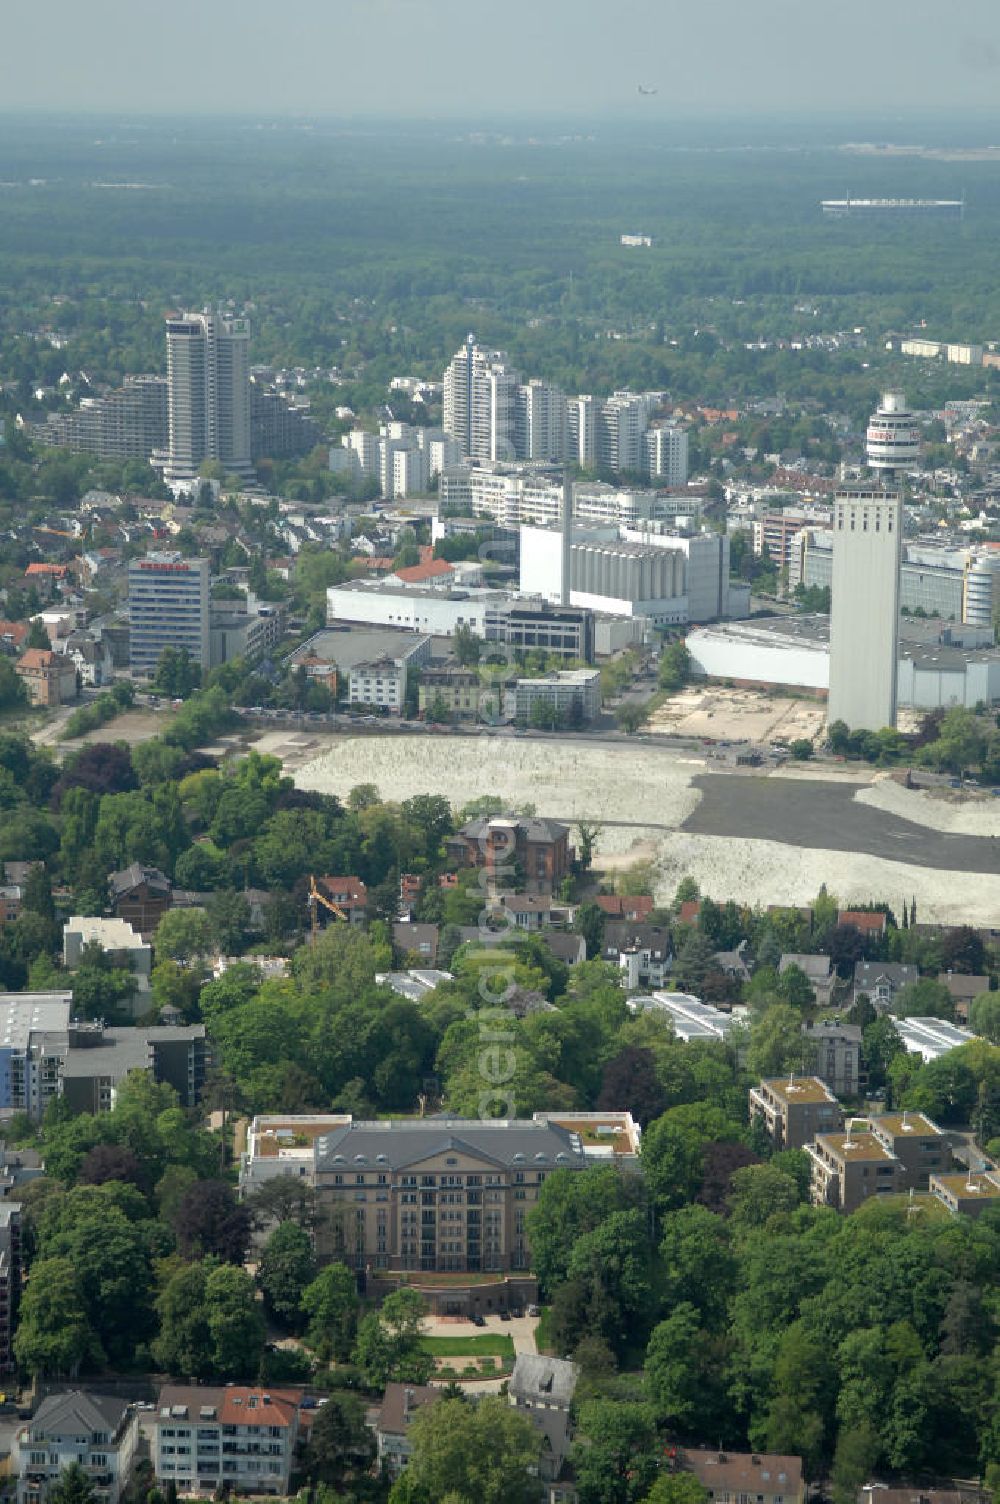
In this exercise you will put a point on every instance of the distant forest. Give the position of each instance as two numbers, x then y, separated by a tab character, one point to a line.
376	250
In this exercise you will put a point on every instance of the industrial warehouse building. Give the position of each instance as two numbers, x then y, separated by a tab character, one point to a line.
939	665
938	577
667	577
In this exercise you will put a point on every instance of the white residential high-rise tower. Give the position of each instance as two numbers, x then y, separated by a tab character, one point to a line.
208	387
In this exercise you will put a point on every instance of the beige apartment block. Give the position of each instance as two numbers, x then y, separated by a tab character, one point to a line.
795	1110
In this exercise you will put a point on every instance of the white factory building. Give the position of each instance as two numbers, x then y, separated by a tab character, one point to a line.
937	666
668	578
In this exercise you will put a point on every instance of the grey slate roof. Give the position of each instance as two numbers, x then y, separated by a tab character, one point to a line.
897	973
537	1377
509	1143
816	967
132	876
77	1413
535	829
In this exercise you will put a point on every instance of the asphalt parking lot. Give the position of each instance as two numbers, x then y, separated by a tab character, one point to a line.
825	816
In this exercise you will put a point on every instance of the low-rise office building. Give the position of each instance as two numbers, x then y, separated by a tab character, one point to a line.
570	694
100	1058
97	1431
795	1110
237	1439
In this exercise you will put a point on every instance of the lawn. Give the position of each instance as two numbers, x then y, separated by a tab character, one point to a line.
489	1344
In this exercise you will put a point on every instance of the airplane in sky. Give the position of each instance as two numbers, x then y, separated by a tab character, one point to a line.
647	92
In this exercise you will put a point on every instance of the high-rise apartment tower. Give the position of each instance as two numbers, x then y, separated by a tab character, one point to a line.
208	381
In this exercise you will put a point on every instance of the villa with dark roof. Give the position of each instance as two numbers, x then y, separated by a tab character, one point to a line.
97	1430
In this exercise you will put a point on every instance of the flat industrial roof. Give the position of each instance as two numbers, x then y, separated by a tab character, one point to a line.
359	645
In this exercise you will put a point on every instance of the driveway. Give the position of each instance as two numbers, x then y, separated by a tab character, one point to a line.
520	1328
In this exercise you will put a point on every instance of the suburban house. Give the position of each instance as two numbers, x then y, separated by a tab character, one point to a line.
49	678
541	1389
413	939
509	847
881	980
795	1110
391	1424
871	924
97	1431
818	969
745	1477
343	898
235	1438
141	895
636	910
964	991
642	951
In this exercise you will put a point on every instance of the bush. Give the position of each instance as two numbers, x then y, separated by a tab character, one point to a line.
97	713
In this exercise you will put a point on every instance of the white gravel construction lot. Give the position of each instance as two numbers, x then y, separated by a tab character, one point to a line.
566	780
649	789
938	809
763	872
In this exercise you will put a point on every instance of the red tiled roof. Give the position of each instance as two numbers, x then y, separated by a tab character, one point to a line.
58	570
13	631
37	658
689	911
862	919
432	570
637	908
343	889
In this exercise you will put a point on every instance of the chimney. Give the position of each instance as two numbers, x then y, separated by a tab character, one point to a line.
567	537
407	1401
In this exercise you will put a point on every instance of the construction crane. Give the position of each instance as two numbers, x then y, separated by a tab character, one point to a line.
315	899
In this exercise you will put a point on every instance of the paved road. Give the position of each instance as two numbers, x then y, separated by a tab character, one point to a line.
820	815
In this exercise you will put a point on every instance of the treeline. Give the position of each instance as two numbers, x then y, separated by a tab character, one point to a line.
862	1344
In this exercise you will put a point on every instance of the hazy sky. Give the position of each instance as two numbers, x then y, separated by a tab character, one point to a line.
497	57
